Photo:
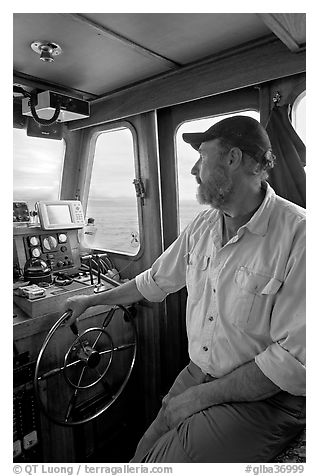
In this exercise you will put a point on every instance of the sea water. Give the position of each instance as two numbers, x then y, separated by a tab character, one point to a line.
117	222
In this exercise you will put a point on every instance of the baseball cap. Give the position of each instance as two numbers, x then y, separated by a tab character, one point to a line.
239	131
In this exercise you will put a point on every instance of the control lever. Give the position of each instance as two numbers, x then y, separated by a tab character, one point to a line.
103	277
98	269
90	269
99	287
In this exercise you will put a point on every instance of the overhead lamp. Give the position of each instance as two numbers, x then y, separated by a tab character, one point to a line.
47	50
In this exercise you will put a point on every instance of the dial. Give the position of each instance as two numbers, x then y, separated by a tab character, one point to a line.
36	252
62	238
50	242
34	240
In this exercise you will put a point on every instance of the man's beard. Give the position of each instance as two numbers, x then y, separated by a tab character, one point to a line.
216	191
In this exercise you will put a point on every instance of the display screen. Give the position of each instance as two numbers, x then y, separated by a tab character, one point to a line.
59	214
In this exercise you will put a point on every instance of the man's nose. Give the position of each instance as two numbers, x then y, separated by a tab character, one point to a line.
195	168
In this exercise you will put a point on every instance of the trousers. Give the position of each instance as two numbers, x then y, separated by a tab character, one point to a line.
224	433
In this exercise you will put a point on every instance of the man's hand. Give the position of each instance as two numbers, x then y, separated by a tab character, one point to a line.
247	383
76	304
178	408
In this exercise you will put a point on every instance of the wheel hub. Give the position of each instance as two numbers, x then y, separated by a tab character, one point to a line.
90	357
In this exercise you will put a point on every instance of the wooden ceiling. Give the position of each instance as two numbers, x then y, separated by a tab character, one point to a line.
107	52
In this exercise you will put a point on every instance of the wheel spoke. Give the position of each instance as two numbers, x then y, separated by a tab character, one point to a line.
50	373
72	401
76	332
97	339
53	372
119	347
106	322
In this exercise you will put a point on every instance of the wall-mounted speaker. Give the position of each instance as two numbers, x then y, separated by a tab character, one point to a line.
53	131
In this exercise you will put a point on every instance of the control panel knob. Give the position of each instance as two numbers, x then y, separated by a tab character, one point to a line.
36	252
62	238
34	240
50	243
63	248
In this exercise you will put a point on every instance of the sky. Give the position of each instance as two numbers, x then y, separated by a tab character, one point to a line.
37	167
113	168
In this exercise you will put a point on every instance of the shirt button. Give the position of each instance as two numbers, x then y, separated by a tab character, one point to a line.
211	318
214	290
205	348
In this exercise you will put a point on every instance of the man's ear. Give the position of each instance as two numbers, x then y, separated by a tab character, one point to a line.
235	156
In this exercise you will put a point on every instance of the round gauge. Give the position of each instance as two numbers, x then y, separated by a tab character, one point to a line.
36	252
62	237
50	243
34	240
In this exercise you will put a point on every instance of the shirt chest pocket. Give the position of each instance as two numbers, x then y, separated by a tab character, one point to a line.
254	292
196	274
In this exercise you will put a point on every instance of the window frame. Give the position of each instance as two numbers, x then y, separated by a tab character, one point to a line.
92	135
294	106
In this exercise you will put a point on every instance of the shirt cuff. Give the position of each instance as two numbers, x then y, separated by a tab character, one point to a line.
148	287
283	369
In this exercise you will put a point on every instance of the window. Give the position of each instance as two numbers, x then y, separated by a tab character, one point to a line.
37	168
298	116
186	158
112	199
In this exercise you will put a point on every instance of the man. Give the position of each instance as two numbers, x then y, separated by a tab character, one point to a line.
241	398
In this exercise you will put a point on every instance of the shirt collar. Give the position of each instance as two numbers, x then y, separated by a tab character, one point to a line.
259	222
212	217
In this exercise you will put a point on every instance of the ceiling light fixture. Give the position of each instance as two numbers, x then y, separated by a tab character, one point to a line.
47	50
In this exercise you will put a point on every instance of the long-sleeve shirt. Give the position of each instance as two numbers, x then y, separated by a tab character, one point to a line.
246	299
